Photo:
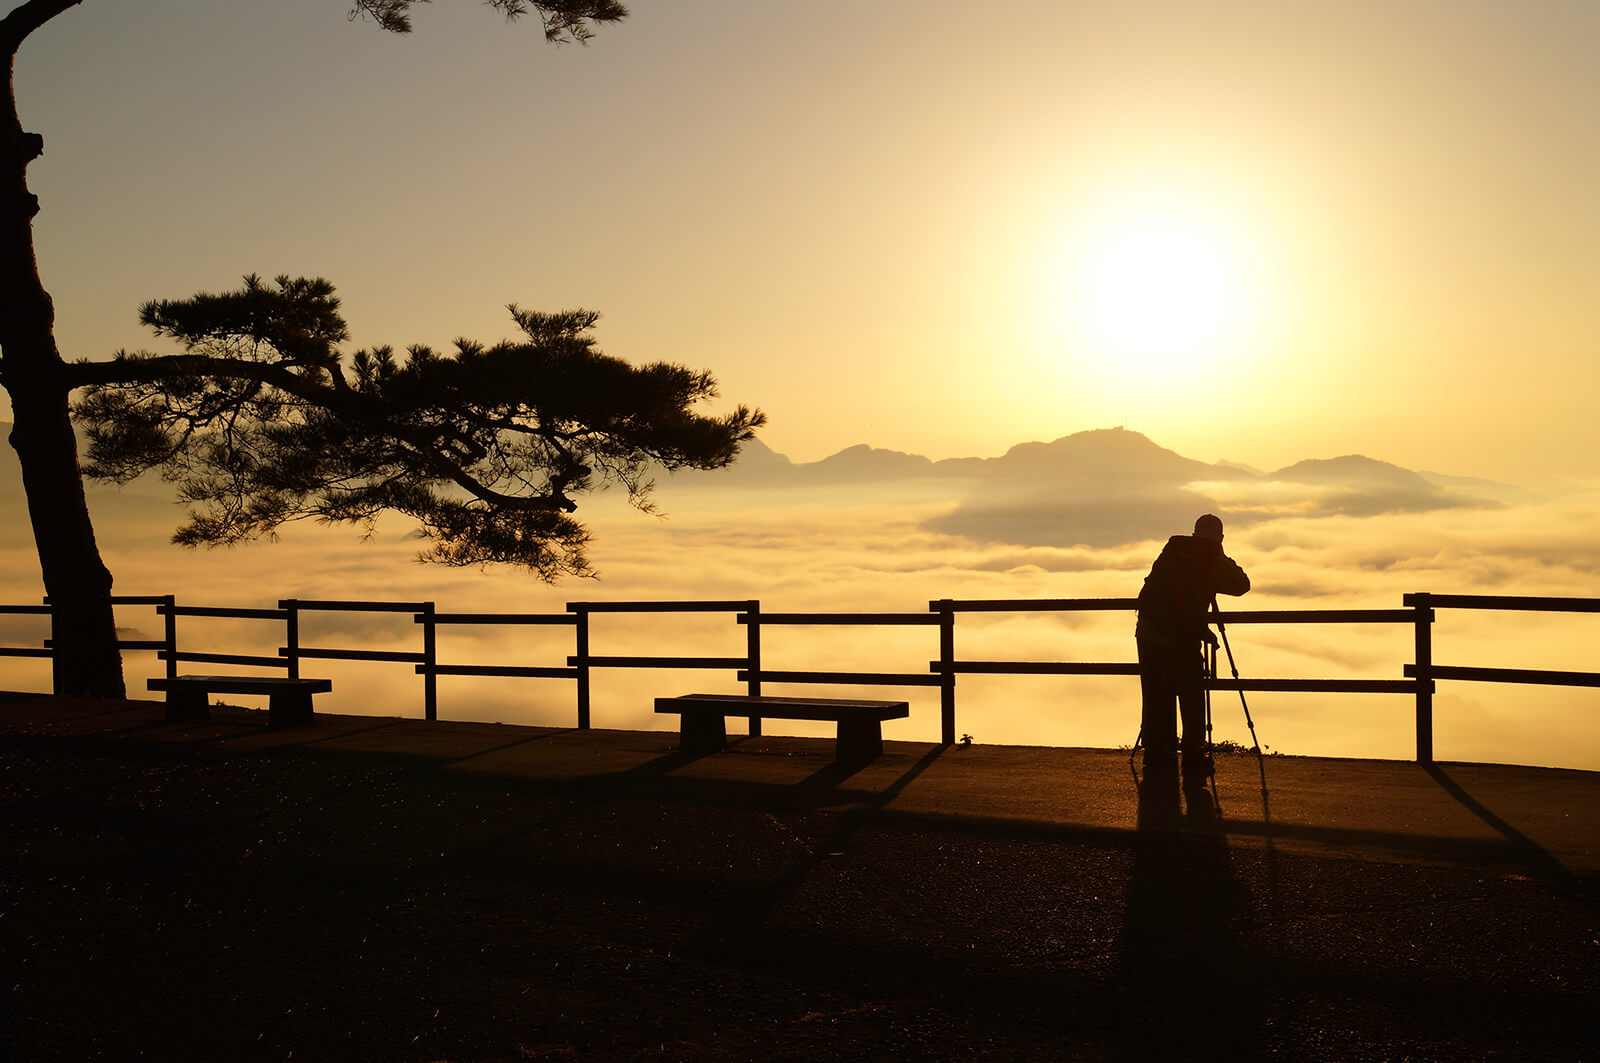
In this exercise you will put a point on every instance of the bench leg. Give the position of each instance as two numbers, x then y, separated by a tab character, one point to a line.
184	705
702	732
289	708
859	741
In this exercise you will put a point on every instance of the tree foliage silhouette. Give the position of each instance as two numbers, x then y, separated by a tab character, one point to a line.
258	422
85	656
564	20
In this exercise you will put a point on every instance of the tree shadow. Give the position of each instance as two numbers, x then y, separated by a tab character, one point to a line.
736	920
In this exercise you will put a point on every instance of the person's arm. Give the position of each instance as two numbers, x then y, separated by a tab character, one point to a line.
1228	578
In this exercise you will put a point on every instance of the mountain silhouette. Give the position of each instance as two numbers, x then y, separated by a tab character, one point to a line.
1111	486
856	464
1360	486
863	463
1097	454
1114	487
1352	468
1099	488
1113	455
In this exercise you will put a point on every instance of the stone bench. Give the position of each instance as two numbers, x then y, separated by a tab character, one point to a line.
288	700
703	728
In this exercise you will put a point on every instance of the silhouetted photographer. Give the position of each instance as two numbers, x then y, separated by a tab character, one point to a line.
1191	571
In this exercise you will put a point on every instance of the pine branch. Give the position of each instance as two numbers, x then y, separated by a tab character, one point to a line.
24	19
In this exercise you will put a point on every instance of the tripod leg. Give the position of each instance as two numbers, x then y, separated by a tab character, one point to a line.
1234	668
1211	673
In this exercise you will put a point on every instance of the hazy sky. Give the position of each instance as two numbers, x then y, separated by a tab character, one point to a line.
1254	231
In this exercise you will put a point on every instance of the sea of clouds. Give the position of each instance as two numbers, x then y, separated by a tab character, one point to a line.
886	547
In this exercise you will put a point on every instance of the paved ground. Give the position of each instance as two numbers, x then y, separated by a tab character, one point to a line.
368	888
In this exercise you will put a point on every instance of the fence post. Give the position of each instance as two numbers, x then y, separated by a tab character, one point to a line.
56	684
1422	603
430	658
169	605
753	653
581	656
291	636
947	669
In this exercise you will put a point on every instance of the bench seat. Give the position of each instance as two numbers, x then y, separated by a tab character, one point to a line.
288	700
703	727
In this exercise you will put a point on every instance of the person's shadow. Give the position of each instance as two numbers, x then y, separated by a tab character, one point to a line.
1185	957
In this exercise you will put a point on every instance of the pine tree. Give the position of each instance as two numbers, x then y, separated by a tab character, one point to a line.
85	658
259	421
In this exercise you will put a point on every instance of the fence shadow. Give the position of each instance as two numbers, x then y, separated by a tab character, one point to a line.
1525	846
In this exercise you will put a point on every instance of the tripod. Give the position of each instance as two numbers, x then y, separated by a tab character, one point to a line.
1261	763
1222	629
1209	666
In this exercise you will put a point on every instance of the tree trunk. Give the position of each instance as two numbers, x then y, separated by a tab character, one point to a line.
86	658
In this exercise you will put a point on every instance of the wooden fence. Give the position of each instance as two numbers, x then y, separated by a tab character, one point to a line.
1420	613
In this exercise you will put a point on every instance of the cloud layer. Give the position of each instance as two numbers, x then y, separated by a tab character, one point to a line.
894	545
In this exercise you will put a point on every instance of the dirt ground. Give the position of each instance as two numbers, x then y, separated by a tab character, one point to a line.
176	903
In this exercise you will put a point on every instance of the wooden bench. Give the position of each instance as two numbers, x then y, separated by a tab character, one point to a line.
703	728
288	700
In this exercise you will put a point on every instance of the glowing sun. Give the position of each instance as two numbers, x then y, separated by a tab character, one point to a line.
1151	289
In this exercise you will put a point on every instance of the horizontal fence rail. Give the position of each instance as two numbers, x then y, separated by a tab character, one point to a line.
171	610
1034	605
848	619
881	679
1320	616
1497	601
1426	673
431	668
660	662
546	619
1420	613
1512	675
43	650
1031	668
659	607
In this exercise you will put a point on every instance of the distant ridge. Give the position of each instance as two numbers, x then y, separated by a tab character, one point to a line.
1104	454
1108	487
1350	468
1099	454
1095	454
1100	487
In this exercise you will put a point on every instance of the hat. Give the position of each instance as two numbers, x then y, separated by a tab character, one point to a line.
1208	527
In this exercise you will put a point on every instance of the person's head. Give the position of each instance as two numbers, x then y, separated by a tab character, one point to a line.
1208	527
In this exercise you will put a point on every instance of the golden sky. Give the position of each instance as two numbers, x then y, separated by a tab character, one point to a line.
1255	231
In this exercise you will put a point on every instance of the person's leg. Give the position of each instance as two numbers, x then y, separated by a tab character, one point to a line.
1192	707
1158	718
